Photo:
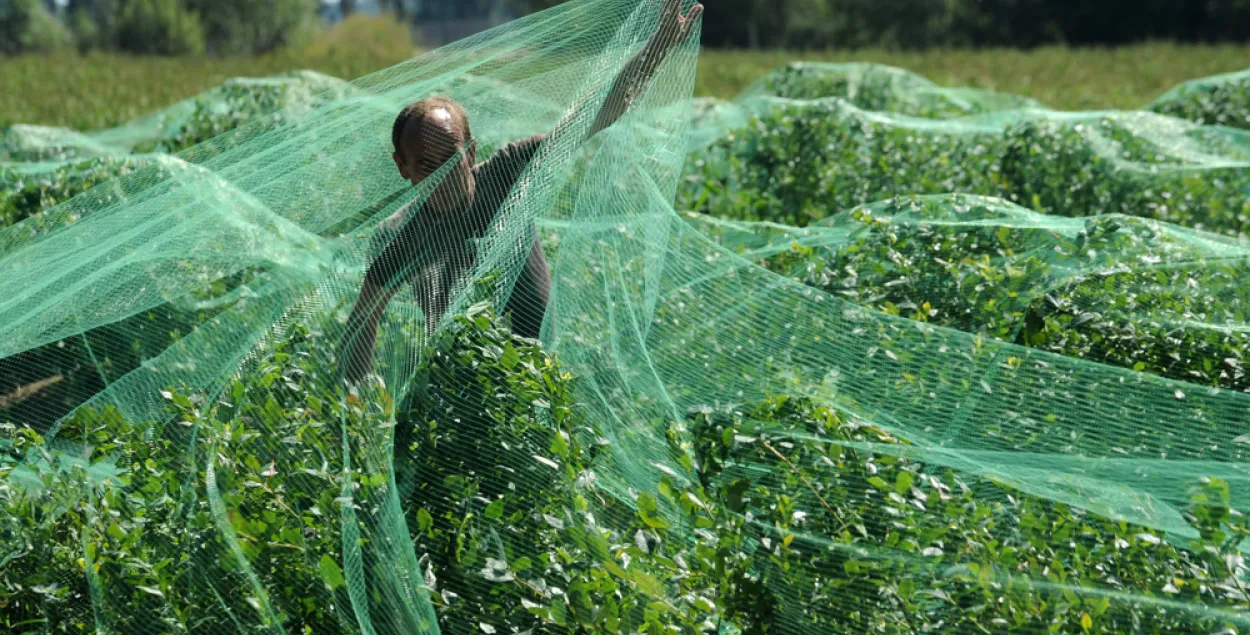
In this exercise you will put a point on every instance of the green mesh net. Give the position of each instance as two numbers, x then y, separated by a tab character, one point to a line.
851	353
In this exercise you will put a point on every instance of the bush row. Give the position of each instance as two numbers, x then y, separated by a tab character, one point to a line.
783	516
1115	290
801	161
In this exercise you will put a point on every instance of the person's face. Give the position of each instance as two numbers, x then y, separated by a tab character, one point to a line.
425	146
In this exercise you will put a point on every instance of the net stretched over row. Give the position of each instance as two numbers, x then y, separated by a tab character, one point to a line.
853	353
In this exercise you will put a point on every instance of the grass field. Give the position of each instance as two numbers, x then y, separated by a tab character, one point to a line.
94	91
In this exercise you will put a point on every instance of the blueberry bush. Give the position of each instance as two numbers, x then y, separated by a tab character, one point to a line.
799	161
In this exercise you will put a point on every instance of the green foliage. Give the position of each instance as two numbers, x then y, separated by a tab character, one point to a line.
277	499
798	161
500	464
75	167
885	89
848	534
977	269
1215	101
26	26
162	27
243	27
494	469
23	195
88	34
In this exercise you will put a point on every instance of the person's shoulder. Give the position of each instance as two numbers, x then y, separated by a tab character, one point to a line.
397	220
519	150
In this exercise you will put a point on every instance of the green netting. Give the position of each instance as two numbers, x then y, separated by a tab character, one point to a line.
1222	100
898	359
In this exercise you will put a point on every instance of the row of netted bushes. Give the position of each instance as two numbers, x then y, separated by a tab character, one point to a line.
773	518
50	166
76	162
1222	100
801	161
492	459
810	140
1216	101
1115	290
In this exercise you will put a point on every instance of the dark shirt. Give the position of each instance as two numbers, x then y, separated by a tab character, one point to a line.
433	248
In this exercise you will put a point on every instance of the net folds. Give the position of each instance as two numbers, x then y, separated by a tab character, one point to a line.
565	350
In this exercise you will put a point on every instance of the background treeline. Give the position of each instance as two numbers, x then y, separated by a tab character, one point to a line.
175	27
163	27
920	24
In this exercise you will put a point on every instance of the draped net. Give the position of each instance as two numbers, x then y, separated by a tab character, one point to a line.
850	353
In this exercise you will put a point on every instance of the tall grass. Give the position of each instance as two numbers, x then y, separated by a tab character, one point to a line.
99	90
1061	77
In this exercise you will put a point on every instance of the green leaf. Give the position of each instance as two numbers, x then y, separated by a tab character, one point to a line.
559	446
510	358
876	481
647	512
903	482
331	574
495	509
646	503
521	564
647	584
115	531
558	613
424	520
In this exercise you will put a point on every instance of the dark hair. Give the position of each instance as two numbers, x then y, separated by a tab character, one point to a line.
419	110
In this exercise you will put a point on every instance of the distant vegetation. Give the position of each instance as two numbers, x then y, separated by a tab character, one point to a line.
105	89
102	89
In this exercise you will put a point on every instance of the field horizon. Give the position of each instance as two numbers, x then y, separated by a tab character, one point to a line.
109	88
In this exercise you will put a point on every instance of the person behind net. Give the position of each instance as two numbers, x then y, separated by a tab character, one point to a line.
433	247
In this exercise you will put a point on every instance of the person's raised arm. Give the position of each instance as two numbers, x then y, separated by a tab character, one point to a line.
633	79
637	73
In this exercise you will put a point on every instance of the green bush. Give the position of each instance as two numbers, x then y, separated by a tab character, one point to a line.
824	525
801	161
23	195
245	27
500	466
86	31
1216	101
163	27
885	89
959	262
26	26
494	466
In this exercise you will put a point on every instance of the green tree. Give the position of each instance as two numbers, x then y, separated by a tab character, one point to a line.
163	27
244	27
27	26
94	22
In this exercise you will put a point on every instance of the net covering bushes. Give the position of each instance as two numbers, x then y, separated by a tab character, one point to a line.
852	353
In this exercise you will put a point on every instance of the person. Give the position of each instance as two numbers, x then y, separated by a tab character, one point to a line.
431	248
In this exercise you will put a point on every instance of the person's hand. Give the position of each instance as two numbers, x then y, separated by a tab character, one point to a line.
675	27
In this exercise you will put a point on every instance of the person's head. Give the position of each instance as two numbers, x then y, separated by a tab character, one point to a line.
426	135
